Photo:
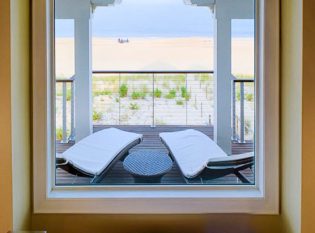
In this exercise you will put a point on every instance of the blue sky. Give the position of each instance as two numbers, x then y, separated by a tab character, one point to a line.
154	18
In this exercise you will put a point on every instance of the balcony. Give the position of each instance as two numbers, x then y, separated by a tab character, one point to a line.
153	102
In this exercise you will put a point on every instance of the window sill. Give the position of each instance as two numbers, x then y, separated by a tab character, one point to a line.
156	200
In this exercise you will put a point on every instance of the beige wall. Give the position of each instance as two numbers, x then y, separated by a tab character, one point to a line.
15	201
5	120
291	120
308	120
20	93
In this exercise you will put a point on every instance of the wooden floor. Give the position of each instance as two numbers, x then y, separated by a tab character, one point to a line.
118	176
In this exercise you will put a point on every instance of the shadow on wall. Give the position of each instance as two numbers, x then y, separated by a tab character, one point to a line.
214	223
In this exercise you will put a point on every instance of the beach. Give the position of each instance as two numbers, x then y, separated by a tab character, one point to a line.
195	53
171	106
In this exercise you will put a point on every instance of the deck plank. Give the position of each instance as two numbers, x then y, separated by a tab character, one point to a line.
118	176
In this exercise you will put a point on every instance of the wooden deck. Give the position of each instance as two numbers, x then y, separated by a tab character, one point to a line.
118	176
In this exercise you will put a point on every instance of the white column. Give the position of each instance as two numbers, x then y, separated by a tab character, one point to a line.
224	10
83	78
222	79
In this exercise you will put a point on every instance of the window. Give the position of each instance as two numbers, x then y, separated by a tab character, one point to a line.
154	112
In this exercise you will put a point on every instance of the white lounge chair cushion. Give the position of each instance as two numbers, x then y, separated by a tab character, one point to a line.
192	150
95	152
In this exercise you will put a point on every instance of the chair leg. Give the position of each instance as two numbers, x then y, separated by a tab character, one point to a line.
241	177
201	180
95	180
186	180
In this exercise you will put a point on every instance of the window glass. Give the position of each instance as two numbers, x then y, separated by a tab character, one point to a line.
243	50
64	71
145	94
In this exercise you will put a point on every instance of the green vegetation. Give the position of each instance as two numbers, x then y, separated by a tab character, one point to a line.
97	116
59	134
248	128
185	93
144	89
179	102
166	85
244	76
104	92
177	77
168	80
238	95
160	122
68	95
249	97
171	94
204	77
138	95
123	90
59	92
134	106
157	93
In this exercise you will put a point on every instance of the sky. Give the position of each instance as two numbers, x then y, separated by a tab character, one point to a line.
154	18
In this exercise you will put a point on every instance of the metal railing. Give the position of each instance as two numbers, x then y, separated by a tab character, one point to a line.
152	81
238	122
154	72
65	95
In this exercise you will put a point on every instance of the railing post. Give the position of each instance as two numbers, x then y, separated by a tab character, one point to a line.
242	114
72	133
234	137
186	101
64	112
119	99
153	100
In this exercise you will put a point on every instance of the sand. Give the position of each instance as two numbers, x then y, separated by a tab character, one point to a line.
155	54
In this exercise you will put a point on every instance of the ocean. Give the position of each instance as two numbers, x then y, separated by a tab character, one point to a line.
154	18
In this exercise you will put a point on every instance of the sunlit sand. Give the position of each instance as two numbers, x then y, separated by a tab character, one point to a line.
155	54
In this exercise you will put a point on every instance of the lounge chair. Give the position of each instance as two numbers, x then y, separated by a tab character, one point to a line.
94	155
194	152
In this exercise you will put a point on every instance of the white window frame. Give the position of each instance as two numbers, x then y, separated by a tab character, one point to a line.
261	198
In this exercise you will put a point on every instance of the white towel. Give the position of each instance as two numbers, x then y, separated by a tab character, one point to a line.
95	152
192	150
